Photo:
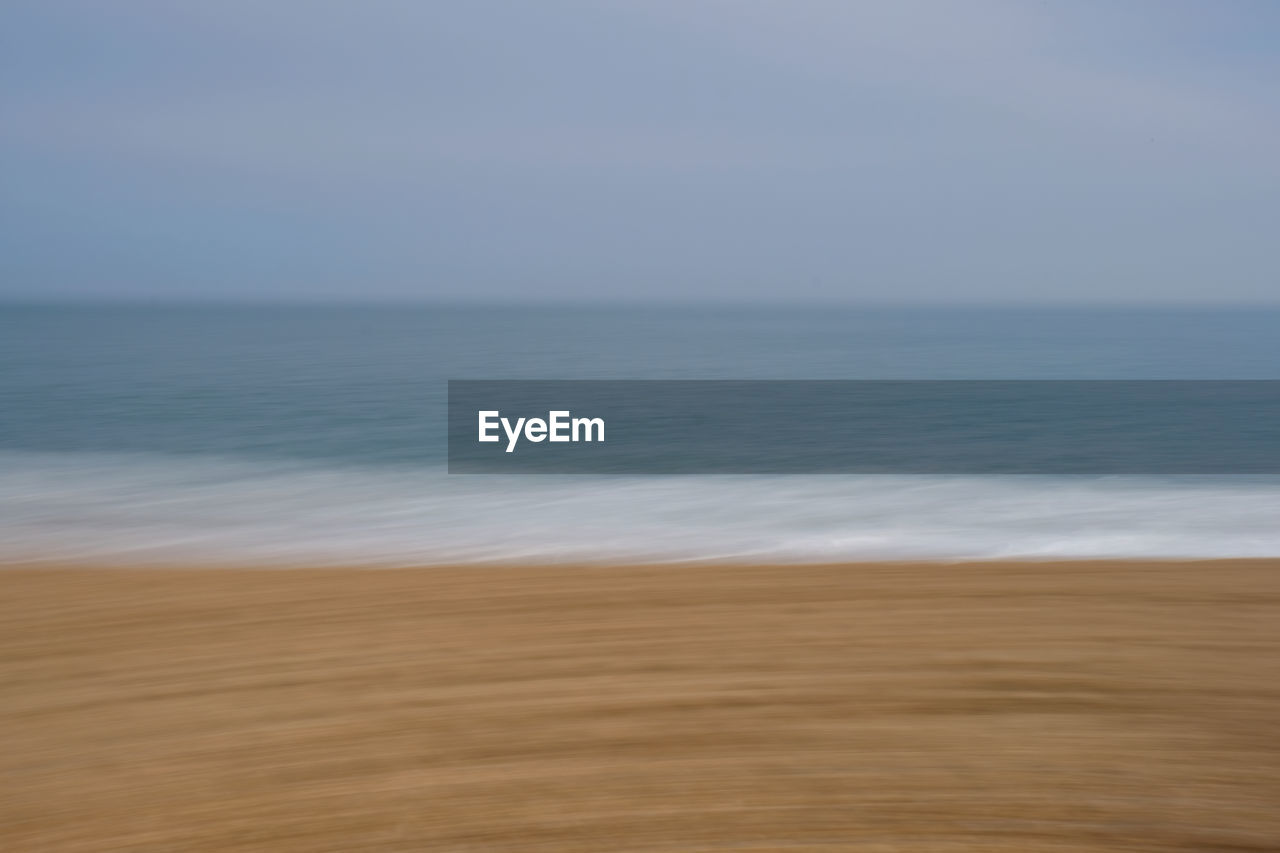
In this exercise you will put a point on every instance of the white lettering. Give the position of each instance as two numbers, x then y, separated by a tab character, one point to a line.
513	435
486	424
558	426
587	424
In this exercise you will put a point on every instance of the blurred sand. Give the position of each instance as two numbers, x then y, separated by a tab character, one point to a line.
971	707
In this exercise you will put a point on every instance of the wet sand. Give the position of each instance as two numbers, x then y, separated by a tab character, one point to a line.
969	707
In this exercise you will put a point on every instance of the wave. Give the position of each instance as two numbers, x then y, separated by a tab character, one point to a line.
155	509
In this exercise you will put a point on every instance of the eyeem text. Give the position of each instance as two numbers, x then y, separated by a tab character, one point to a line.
558	426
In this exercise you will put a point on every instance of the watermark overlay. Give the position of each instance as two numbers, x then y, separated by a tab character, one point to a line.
872	427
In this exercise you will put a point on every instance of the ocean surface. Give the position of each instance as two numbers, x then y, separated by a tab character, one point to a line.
316	434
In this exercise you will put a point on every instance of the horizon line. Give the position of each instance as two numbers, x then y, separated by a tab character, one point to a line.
587	302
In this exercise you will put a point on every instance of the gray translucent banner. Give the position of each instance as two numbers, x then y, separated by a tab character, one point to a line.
884	427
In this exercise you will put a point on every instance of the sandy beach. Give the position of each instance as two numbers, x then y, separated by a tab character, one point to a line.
869	707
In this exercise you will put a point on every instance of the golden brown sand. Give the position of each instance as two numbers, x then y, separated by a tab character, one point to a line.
982	707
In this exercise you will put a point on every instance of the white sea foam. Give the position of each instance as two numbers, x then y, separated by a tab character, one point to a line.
156	509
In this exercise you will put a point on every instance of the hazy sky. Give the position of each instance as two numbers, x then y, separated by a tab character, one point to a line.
704	149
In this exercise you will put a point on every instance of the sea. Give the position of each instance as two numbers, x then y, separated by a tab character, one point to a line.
282	435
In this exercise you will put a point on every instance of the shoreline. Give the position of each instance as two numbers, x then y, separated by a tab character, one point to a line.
238	565
916	705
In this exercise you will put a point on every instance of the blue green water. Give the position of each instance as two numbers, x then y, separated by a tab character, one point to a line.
286	433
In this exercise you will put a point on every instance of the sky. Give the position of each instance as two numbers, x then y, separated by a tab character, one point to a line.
707	150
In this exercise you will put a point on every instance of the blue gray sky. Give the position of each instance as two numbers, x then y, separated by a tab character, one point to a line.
915	150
